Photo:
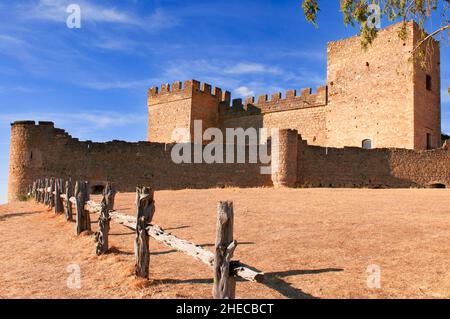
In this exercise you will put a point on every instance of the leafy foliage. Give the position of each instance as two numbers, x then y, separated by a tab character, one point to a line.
356	12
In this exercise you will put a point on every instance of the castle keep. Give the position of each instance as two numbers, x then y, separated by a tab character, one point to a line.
376	123
379	98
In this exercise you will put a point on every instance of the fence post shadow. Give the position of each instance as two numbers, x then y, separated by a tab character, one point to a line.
274	281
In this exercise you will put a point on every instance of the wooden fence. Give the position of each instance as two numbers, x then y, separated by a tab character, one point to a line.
64	199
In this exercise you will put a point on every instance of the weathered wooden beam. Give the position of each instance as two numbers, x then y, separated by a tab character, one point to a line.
110	194
224	280
51	196
107	205
239	269
197	252
59	206
69	193
35	193
46	201
83	220
145	210
41	193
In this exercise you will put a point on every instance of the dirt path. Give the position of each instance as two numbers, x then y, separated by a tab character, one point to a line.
310	242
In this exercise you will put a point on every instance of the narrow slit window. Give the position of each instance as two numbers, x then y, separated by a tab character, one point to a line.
429	141
429	83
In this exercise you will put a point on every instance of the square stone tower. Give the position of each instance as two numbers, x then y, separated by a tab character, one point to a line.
173	109
382	97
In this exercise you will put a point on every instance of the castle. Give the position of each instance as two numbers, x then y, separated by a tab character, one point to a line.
375	124
376	98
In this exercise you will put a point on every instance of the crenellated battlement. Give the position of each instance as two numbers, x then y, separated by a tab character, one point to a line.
276	103
264	103
188	87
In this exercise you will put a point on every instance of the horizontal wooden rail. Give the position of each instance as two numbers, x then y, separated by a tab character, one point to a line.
239	269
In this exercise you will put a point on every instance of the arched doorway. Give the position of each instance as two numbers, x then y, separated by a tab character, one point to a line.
367	144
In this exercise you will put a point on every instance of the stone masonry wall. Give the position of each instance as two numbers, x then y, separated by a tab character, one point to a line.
427	103
304	112
371	92
386	167
177	106
43	151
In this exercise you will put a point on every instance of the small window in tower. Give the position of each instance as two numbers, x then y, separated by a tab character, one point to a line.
429	82
31	155
367	144
429	141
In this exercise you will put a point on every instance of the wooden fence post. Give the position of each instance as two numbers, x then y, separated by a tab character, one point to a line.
83	218
59	206
38	186
110	192
42	192
34	192
46	191
69	193
39	193
47	195
224	280
87	215
51	195
101	237
145	206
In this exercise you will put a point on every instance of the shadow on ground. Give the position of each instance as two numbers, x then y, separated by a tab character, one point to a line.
12	215
272	280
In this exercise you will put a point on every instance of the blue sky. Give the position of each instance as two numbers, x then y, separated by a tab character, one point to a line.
93	81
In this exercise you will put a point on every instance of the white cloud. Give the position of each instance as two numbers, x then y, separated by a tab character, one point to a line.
55	10
17	89
122	84
246	68
93	120
14	47
318	55
244	91
206	71
3	197
445	96
9	39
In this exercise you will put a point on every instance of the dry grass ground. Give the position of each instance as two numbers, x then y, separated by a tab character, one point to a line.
311	243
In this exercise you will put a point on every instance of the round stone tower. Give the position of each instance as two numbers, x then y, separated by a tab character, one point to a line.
19	157
284	158
24	159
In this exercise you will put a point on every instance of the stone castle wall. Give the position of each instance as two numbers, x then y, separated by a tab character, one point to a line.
427	103
41	150
352	167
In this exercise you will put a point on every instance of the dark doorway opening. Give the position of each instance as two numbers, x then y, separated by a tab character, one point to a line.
97	189
437	185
